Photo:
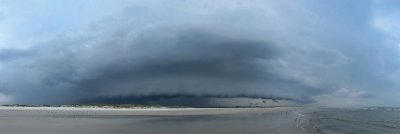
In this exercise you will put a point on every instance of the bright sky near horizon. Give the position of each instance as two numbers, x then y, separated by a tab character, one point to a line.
335	53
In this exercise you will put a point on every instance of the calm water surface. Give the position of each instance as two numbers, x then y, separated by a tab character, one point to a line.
356	120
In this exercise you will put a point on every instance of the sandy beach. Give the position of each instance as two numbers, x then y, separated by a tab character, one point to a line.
73	111
72	120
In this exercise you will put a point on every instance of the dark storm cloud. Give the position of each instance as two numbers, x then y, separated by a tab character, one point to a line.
192	54
193	100
189	62
268	49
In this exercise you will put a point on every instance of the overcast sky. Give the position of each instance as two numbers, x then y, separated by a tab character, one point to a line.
335	53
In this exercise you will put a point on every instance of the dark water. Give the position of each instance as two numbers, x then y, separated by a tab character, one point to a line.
354	121
221	124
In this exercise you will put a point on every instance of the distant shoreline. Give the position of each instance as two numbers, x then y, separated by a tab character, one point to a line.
137	111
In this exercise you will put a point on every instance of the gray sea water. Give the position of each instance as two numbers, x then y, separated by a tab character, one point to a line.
352	121
326	121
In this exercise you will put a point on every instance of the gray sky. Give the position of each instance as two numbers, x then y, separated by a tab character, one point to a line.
335	53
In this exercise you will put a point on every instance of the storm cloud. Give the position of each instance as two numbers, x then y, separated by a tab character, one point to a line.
304	51
189	61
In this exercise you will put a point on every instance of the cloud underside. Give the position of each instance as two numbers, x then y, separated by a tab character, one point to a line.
189	62
249	49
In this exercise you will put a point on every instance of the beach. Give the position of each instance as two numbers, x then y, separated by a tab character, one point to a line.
68	120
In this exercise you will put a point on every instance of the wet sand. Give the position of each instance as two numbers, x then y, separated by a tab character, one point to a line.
69	120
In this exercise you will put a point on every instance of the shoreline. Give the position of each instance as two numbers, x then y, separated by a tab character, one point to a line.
139	111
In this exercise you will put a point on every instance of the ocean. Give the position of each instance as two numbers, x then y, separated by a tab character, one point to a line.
350	120
304	121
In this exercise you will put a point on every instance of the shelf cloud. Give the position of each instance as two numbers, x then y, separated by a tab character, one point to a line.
299	51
